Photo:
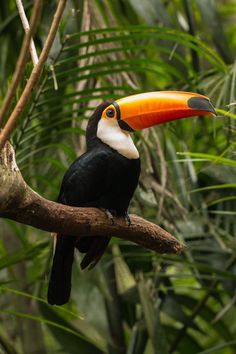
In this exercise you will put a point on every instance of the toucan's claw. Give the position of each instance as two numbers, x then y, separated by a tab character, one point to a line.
109	214
127	219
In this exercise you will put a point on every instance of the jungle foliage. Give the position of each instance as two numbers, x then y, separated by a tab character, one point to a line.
134	301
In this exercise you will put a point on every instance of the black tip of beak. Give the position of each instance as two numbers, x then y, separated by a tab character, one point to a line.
201	104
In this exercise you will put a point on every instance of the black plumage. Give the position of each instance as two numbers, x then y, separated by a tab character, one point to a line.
102	178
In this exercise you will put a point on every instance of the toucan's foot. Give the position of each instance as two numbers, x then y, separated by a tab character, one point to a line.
127	219
109	214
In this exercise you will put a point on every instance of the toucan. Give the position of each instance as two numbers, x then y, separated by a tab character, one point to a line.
107	174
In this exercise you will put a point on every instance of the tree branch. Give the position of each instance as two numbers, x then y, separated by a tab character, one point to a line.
22	60
20	203
26	26
34	77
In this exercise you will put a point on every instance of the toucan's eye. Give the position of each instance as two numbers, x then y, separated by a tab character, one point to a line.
110	113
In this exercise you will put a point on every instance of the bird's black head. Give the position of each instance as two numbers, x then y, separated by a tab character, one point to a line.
91	131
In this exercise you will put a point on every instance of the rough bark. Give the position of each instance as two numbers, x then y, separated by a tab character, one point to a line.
20	203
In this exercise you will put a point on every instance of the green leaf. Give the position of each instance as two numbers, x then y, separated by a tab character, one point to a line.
218	347
152	318
208	157
24	254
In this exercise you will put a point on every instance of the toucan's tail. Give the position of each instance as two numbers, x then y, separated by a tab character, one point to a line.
60	279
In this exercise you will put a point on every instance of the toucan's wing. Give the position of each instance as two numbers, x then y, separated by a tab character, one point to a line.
83	185
86	180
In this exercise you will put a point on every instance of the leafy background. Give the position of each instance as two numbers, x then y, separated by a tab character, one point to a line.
134	301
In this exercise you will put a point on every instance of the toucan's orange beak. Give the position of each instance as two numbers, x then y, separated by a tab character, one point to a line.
147	109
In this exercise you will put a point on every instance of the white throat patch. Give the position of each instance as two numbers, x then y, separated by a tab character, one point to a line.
110	133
